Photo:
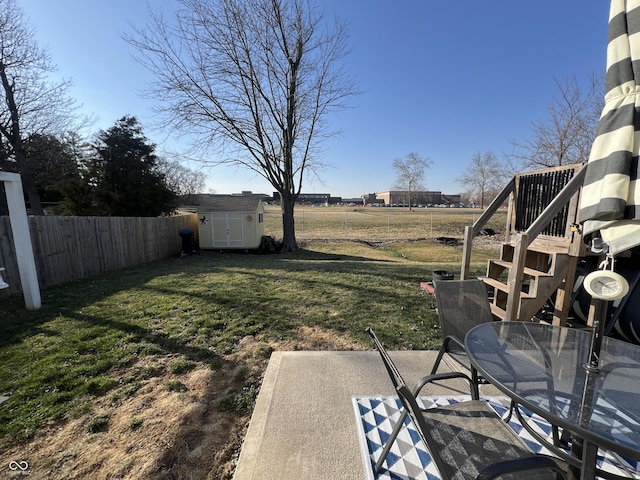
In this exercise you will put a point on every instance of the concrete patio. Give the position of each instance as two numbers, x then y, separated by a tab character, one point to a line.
303	426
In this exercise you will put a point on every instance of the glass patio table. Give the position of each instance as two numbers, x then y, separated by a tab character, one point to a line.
545	369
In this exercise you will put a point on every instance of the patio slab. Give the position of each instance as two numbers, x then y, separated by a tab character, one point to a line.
303	425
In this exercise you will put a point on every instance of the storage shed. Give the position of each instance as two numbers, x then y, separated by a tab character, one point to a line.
230	221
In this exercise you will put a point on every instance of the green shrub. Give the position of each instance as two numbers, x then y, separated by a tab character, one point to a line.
135	423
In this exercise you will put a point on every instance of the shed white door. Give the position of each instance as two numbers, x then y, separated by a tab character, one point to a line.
227	230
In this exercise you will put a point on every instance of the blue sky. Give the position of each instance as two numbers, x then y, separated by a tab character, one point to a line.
445	79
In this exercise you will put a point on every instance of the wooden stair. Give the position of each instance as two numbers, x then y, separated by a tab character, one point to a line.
543	242
545	268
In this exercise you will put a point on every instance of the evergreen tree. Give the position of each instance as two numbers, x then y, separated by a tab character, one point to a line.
122	177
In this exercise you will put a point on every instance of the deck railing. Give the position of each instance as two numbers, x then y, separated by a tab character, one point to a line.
541	203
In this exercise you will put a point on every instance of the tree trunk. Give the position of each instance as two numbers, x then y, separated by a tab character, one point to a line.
289	244
31	189
28	183
14	136
4	208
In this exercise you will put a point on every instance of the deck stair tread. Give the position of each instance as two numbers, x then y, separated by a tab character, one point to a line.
545	267
503	287
547	244
532	272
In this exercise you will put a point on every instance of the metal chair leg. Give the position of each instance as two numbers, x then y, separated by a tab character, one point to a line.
392	438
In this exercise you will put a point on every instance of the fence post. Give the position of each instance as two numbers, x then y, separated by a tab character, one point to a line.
389	224
431	226
346	225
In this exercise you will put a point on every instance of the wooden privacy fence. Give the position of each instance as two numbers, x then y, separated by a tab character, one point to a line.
70	248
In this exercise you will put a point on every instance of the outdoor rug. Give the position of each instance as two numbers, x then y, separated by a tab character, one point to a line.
408	458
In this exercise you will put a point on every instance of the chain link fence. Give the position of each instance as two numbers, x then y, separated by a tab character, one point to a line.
377	224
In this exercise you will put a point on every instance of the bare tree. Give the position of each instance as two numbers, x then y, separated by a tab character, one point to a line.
180	179
254	79
31	105
483	177
567	136
410	173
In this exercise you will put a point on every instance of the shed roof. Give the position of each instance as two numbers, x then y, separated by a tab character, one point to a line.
228	203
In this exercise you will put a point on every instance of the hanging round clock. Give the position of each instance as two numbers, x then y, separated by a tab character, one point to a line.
606	285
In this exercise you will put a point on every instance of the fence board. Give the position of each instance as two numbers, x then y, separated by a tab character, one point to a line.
71	248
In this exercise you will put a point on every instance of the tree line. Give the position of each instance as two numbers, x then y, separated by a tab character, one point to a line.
115	174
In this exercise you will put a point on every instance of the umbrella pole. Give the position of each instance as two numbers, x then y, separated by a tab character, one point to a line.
597	319
581	449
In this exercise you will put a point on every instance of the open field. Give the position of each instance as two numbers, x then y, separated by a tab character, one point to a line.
379	223
151	372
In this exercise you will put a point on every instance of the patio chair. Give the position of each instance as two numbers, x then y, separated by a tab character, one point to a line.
466	440
462	304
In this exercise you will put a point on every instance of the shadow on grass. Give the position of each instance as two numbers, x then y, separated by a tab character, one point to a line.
17	323
199	307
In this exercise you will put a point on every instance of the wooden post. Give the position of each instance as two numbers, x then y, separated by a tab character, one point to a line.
564	292
515	277
466	253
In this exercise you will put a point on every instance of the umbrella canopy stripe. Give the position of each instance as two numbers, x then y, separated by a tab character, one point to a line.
609	166
609	197
620	71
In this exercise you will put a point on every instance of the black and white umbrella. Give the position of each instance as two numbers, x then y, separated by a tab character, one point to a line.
610	201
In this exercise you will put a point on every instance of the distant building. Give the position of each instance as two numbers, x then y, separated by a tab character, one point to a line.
452	199
401	197
196	199
312	199
387	198
372	199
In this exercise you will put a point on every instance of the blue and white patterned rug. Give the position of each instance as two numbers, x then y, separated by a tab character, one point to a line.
409	459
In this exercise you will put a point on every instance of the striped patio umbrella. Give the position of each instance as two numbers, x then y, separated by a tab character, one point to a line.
610	199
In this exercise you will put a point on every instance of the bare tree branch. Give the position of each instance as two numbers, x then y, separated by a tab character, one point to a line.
482	178
410	173
568	134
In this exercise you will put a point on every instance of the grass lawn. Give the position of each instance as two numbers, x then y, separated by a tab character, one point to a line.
100	345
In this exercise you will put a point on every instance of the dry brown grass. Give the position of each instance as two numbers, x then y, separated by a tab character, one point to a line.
160	434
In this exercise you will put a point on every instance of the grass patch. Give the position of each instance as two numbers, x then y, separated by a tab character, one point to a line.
98	424
380	224
135	424
127	391
241	402
182	365
175	386
110	334
100	385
